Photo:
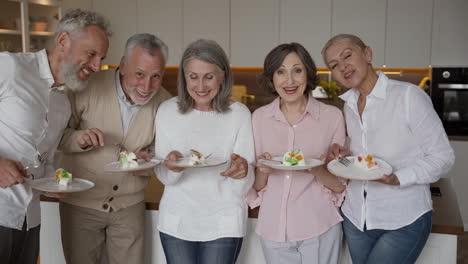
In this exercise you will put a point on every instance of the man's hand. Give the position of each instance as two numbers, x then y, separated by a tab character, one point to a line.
173	156
391	179
337	152
11	172
90	137
238	169
144	155
57	195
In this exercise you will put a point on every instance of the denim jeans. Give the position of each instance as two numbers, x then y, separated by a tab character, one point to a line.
220	251
402	245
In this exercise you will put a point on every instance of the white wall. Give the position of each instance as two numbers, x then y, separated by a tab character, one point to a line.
401	33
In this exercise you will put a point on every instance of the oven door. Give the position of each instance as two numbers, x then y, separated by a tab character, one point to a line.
453	108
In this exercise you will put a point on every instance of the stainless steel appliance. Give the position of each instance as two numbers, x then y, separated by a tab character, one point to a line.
449	94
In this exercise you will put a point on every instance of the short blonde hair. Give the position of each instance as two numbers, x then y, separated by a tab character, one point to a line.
353	39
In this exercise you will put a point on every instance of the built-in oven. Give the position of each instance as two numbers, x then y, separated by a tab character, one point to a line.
449	94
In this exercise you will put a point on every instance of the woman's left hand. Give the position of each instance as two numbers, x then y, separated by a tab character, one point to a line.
391	179
238	169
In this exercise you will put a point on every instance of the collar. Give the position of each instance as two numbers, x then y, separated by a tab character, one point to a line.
312	108
120	92
44	67
379	90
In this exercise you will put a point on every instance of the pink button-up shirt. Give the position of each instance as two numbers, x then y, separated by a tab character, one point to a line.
294	205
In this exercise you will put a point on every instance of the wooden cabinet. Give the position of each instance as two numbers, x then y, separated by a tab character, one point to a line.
408	34
163	18
254	31
307	22
364	18
450	33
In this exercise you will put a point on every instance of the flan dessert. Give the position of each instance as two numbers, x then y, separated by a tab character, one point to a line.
294	158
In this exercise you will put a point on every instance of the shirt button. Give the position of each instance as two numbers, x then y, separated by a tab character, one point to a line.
287	176
111	199
105	206
115	188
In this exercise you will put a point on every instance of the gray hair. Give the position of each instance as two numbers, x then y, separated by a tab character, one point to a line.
150	43
353	39
211	52
77	20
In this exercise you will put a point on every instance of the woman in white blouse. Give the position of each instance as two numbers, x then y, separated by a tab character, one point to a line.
388	220
203	215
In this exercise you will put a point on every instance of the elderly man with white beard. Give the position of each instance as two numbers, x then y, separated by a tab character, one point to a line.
116	111
34	111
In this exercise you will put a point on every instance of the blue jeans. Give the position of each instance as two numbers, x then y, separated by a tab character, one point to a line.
402	245
220	251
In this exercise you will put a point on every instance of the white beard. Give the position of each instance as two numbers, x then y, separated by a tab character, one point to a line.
70	77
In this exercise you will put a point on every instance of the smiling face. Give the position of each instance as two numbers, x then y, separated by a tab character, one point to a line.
290	79
141	75
350	66
203	82
83	55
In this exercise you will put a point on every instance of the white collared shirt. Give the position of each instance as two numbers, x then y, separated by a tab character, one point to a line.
400	126
127	110
32	114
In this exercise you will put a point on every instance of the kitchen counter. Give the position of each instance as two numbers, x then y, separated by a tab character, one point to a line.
458	138
446	215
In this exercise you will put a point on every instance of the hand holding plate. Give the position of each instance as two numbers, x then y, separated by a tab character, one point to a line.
238	169
172	157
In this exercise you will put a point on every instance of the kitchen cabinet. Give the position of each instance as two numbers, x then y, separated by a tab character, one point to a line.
450	33
307	22
254	31
408	34
163	18
364	18
122	15
208	19
27	25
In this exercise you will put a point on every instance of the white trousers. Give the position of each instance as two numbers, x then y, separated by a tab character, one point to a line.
324	249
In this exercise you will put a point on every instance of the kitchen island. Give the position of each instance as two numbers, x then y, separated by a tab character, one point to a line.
440	248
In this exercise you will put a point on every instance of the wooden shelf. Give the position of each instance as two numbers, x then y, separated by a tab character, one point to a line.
41	33
9	32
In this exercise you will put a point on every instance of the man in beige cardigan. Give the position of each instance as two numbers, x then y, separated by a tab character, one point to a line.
117	108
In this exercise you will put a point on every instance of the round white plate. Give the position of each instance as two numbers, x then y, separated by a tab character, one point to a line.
276	163
142	165
49	185
355	173
211	162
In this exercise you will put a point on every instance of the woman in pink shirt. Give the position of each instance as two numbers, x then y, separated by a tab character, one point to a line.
299	219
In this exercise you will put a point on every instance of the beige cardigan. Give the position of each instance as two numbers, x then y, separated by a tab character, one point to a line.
98	107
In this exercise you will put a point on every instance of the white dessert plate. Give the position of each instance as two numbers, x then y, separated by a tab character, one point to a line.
276	163
49	185
142	165
211	162
353	172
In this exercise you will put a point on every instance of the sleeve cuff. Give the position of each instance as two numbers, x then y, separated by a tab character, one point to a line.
406	177
254	198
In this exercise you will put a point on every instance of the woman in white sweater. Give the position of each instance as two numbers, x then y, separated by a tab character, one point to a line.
203	215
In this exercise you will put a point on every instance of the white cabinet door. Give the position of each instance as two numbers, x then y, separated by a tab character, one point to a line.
450	33
122	17
254	31
163	18
207	19
70	4
408	39
308	23
364	18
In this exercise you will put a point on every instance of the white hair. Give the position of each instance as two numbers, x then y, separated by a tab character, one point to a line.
78	20
150	43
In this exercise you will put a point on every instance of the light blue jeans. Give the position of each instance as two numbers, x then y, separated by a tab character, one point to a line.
400	246
220	251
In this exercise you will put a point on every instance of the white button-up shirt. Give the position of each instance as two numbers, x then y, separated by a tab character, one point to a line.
400	126
32	115
127	110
